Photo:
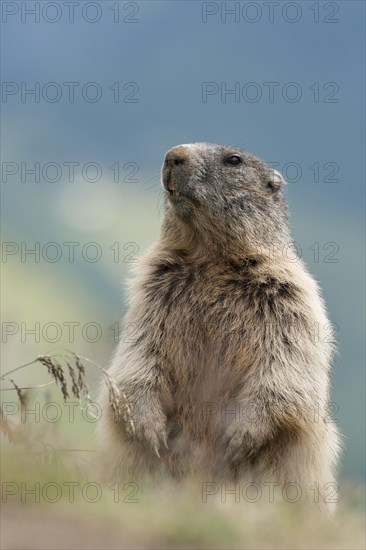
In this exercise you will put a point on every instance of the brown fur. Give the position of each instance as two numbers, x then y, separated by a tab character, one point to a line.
224	372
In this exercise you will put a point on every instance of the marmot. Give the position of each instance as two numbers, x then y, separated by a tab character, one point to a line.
224	373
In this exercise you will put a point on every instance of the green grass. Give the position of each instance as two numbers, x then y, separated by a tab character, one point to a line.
166	515
161	514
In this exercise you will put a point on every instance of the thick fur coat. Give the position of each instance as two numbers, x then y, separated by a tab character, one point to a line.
226	375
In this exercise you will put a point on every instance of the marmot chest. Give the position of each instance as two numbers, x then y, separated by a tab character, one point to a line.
201	314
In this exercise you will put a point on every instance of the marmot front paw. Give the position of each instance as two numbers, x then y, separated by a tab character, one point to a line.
151	432
239	444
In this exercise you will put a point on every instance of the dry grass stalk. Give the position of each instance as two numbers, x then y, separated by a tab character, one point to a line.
79	387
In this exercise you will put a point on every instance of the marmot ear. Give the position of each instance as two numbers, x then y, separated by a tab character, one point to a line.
275	180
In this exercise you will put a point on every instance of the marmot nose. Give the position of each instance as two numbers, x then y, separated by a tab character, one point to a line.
176	156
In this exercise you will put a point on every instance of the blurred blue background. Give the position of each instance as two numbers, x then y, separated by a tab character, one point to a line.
167	51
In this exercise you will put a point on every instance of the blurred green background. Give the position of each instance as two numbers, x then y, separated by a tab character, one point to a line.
160	53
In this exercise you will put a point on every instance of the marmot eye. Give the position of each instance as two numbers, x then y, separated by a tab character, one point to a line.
233	160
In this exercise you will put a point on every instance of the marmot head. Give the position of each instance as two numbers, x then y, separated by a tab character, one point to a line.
222	194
